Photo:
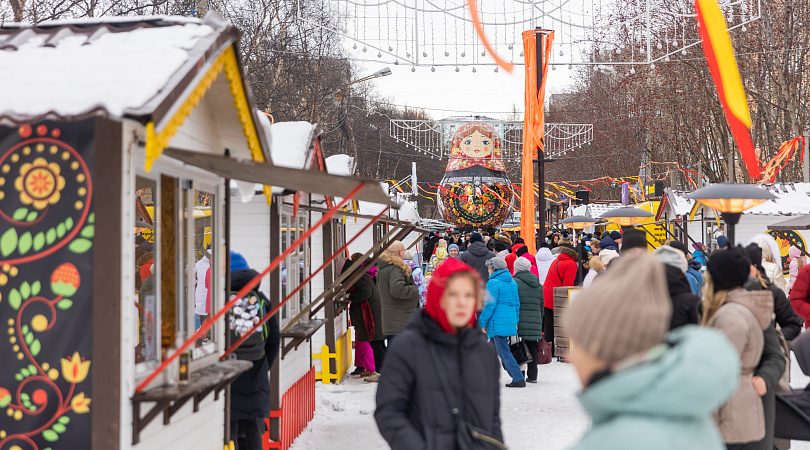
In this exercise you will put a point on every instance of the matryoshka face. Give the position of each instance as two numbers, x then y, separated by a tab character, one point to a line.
476	145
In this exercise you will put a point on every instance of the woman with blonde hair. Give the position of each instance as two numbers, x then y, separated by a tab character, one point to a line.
742	316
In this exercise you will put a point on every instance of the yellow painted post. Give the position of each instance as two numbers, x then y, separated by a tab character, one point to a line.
324	375
339	349
349	348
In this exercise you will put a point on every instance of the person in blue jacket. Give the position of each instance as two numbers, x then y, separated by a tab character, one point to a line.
500	316
693	275
645	387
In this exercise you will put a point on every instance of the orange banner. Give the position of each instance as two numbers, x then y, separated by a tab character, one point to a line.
533	123
479	28
723	67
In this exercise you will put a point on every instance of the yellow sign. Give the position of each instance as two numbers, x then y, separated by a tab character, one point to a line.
149	235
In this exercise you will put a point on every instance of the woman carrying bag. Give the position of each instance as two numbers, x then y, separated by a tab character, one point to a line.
530	322
440	386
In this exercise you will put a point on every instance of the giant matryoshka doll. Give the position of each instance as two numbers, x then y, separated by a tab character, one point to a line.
474	191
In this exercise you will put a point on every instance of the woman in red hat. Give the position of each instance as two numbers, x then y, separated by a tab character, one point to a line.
441	375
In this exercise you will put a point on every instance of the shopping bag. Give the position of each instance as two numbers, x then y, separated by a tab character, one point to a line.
543	352
520	351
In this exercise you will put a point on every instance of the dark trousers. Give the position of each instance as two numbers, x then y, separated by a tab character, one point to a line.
548	326
735	446
246	434
534	351
378	347
390	338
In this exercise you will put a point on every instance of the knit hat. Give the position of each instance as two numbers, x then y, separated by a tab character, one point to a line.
633	238
452	246
496	263
722	242
633	293
504	239
521	250
615	235
238	262
522	264
755	255
500	247
680	246
672	257
476	237
728	268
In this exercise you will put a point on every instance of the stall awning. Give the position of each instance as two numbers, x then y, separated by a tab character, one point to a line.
795	223
292	179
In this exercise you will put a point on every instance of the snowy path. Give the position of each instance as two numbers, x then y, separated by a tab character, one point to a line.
544	415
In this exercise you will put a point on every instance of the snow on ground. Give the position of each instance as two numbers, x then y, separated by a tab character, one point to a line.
546	412
544	415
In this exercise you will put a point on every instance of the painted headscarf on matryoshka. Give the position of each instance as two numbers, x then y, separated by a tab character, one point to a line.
475	143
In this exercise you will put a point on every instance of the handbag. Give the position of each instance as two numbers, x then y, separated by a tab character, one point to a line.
520	351
544	352
468	437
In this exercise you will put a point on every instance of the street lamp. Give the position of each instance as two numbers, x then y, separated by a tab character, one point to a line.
627	217
578	223
731	199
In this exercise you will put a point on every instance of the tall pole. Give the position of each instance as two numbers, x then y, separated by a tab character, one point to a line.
806	159
541	175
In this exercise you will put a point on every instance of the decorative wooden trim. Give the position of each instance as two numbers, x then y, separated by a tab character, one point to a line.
156	141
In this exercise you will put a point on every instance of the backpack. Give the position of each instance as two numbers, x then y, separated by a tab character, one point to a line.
244	314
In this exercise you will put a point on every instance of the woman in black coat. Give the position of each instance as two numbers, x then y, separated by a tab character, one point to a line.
413	410
250	392
365	310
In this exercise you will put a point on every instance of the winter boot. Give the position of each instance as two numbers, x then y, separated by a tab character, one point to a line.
357	371
521	383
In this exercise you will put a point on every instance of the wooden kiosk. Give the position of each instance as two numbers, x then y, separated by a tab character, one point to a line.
134	126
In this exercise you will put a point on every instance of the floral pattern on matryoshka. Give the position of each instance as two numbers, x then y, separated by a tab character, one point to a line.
475	190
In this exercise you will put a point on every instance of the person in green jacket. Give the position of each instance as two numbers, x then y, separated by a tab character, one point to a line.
643	387
530	323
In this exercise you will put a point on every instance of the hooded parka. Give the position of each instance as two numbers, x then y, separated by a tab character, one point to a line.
684	302
742	318
666	401
412	409
476	257
398	293
501	311
530	291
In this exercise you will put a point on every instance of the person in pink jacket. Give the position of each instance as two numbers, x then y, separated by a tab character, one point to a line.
797	260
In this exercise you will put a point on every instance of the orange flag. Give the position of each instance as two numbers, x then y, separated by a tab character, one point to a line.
479	28
533	123
723	66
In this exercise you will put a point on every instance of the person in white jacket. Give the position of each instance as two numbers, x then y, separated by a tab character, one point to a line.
544	259
200	291
771	260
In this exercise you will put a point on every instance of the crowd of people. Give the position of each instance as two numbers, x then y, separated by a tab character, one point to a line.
674	348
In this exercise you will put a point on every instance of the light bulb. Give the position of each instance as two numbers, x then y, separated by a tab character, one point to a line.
457	69
596	68
510	47
379	54
483	53
632	70
413	69
390	49
570	66
396	63
474	70
652	66
683	52
463	54
659	46
354	46
561	53
554	67
433	69
365	49
496	69
666	58
424	54
521	53
407	55
446	53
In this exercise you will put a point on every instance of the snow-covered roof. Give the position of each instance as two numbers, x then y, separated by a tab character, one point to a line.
596	210
791	199
340	165
125	68
407	213
678	202
292	144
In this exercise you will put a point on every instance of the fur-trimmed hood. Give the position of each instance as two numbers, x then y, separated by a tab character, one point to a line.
388	258
568	251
